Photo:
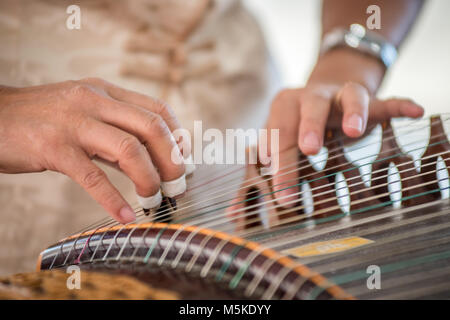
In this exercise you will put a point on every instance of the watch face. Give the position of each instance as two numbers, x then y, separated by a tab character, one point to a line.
362	40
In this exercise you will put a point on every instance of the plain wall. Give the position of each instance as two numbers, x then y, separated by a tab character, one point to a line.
422	72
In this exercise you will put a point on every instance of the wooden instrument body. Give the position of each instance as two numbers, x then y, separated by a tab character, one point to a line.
409	244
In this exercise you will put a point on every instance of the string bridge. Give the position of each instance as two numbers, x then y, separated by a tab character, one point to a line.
399	167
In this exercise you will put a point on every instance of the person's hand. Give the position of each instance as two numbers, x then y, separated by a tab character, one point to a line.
303	115
328	101
63	126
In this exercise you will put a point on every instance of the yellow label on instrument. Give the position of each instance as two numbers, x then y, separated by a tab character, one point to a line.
325	247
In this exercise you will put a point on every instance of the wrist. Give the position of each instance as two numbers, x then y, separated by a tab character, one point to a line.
342	65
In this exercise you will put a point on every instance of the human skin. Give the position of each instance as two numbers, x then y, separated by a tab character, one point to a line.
340	92
64	126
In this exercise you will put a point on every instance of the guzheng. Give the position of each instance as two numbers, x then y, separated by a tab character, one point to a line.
380	204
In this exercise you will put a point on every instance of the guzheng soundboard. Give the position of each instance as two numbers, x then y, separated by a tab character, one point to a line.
371	220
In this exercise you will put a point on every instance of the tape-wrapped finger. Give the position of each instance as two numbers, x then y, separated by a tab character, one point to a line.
151	202
175	187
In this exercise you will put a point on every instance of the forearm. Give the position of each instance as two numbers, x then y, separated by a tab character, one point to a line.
344	64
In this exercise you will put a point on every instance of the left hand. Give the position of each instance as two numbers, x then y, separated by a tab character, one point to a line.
302	116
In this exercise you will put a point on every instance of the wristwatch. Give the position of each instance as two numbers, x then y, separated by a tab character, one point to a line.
359	38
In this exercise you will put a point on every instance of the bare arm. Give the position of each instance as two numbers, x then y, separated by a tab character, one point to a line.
340	92
343	65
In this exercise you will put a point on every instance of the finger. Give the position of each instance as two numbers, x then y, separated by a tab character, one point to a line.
138	99
314	111
150	104
152	131
284	116
115	145
286	103
285	181
353	99
236	205
82	170
247	195
380	110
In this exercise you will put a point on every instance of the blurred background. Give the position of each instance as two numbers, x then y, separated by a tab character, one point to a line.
38	48
422	72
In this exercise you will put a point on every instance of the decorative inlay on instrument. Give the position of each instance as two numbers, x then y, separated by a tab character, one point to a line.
381	203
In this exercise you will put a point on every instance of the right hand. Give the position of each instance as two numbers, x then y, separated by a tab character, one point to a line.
63	126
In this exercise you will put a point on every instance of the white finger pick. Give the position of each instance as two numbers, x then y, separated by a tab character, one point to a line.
150	202
175	187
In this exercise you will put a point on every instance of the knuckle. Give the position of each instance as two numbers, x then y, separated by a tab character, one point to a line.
109	197
95	81
79	90
130	147
166	111
80	123
354	86
311	95
156	125
405	100
282	96
161	107
278	102
55	160
154	185
354	95
93	179
300	92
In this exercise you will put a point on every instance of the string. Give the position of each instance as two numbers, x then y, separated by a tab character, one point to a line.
116	234
198	222
213	179
247	186
325	200
387	193
293	164
382	204
416	186
389	202
273	192
410	124
183	208
278	245
422	228
317	212
339	139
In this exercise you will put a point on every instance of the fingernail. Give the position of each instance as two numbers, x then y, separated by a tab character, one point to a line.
418	110
355	122
150	202
175	187
127	214
189	165
311	140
